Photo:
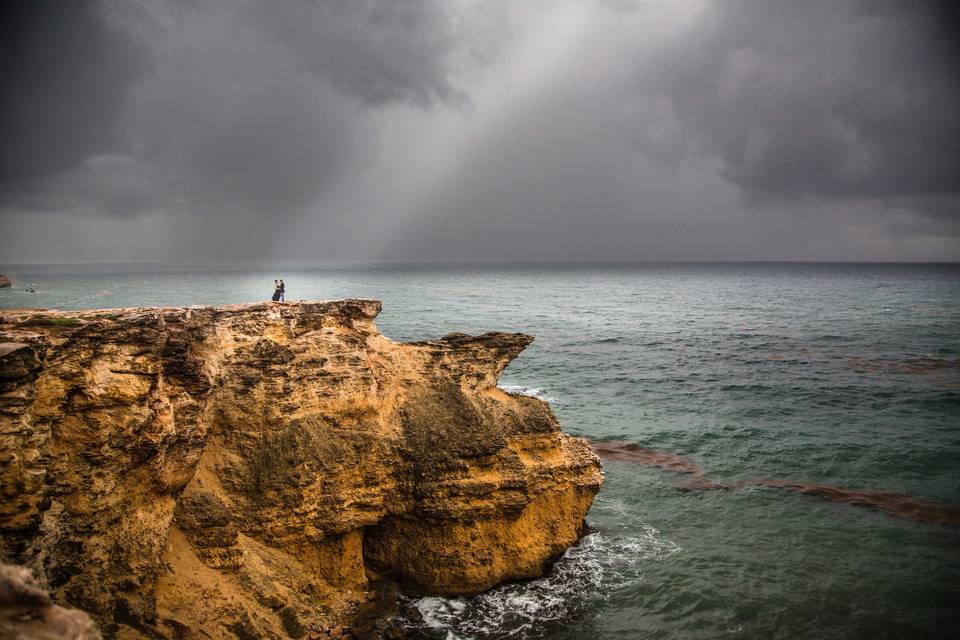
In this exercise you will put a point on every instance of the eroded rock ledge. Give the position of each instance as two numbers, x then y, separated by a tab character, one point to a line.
246	470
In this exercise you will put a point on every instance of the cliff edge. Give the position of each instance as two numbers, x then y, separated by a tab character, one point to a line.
245	471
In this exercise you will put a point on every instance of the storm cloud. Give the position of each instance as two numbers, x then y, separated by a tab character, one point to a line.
64	74
423	129
205	106
823	98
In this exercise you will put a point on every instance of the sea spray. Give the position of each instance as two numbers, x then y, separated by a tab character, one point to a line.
604	563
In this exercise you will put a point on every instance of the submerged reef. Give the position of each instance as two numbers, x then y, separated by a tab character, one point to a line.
896	504
252	470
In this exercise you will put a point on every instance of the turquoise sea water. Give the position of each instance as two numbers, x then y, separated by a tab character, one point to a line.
845	375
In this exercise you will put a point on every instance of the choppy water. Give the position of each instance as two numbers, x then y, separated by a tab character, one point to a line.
841	375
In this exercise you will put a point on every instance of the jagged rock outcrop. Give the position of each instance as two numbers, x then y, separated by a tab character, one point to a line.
4	281
243	471
27	613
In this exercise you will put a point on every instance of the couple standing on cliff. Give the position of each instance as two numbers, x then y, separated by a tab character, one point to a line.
279	289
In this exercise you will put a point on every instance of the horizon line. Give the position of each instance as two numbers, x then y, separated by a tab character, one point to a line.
373	263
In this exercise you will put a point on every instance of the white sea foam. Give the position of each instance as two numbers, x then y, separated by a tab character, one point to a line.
601	564
533	392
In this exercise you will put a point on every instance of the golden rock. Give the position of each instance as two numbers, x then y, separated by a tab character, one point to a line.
247	470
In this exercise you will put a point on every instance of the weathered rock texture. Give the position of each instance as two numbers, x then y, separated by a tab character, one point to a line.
244	471
4	281
27	613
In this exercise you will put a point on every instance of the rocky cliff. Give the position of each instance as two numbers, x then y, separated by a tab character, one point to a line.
245	471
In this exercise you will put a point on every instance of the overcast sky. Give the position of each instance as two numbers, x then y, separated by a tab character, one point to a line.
383	130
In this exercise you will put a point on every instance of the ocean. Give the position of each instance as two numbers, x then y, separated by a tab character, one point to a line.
783	384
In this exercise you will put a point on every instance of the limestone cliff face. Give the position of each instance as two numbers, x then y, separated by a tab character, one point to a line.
244	471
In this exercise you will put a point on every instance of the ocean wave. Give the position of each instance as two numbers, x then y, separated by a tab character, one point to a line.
533	392
601	564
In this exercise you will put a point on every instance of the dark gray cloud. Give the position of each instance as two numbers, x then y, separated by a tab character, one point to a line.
814	112
419	129
378	52
825	98
64	74
239	108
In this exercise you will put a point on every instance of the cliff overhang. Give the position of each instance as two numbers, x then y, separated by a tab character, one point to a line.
246	470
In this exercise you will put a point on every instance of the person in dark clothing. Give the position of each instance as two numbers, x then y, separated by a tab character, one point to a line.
283	290
277	293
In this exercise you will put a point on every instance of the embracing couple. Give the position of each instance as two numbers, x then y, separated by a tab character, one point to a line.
278	290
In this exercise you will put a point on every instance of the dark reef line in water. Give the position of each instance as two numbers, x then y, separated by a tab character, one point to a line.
897	504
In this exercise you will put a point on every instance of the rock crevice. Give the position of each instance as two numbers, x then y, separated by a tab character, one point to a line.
246	470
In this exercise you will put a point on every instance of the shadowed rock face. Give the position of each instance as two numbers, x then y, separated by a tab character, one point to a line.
243	471
26	612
